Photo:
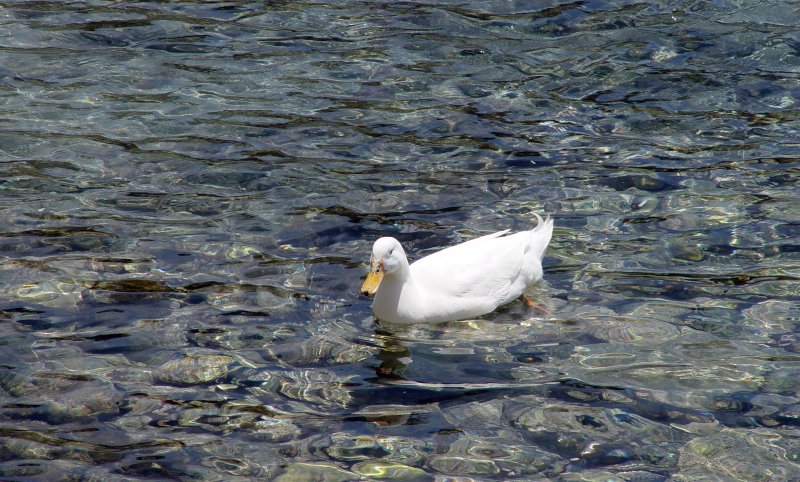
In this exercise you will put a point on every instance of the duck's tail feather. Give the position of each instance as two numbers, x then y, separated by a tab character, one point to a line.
541	235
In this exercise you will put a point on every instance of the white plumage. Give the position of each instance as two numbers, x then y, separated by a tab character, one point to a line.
460	282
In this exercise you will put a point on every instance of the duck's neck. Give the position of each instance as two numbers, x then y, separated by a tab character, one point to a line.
398	278
393	285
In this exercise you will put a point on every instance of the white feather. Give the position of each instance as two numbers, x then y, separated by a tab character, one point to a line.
460	282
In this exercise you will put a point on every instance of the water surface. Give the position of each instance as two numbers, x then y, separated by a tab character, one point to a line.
190	191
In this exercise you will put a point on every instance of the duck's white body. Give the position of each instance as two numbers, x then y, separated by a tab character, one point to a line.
456	283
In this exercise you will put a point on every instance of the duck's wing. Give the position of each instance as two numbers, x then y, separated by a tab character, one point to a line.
483	270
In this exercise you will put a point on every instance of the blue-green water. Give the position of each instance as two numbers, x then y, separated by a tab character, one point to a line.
190	191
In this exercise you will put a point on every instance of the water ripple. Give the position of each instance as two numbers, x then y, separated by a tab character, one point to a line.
190	190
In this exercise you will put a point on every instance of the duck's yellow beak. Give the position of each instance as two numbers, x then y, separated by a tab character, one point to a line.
374	278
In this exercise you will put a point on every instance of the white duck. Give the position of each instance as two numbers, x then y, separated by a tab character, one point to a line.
460	282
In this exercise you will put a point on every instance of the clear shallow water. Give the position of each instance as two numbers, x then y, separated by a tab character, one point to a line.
190	191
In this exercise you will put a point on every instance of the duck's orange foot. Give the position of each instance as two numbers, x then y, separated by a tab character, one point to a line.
534	305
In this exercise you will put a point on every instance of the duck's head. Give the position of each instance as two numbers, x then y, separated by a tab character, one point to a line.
387	257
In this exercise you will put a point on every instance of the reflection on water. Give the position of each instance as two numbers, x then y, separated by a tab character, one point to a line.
190	192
